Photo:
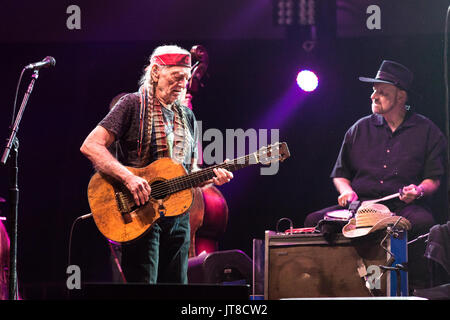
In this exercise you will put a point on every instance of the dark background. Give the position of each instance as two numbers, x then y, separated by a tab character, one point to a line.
250	84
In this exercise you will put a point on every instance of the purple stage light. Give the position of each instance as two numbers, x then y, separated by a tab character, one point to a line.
307	80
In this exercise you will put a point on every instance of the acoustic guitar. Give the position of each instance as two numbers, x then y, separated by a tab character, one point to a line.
119	219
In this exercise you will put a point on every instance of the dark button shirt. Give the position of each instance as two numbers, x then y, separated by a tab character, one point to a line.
379	162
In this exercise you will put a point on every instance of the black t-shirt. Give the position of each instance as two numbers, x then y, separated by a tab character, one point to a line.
379	162
123	121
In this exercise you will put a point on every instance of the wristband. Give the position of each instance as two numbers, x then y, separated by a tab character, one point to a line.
422	192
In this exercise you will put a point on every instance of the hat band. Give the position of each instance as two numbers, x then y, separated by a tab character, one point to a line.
383	75
386	76
173	59
367	226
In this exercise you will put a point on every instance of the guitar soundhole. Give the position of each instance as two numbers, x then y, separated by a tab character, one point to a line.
160	189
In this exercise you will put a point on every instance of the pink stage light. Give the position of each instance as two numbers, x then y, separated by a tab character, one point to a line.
307	80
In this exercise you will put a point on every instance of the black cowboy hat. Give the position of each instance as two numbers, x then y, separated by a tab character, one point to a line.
393	73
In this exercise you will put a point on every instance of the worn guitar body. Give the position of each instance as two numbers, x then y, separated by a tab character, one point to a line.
113	208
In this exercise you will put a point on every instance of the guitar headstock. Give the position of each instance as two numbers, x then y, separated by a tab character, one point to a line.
273	153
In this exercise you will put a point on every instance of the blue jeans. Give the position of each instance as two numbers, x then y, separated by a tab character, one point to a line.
161	255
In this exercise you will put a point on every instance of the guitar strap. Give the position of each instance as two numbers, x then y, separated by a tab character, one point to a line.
143	94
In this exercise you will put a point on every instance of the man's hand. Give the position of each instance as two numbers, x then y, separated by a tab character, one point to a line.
345	190
411	193
222	176
346	197
139	188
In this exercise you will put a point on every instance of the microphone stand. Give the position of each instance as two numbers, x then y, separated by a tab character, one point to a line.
13	145
391	231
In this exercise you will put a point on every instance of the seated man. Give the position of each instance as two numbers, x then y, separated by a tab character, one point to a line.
390	150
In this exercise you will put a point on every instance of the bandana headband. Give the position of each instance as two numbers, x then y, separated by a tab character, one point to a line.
173	59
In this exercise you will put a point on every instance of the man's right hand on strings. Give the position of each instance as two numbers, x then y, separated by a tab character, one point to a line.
139	188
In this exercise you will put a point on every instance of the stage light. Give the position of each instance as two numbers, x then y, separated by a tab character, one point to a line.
307	80
294	12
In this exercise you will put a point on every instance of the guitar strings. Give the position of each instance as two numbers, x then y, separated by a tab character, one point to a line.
170	185
175	184
234	162
197	174
161	189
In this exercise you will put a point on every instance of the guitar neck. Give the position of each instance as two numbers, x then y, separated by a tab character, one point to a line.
196	178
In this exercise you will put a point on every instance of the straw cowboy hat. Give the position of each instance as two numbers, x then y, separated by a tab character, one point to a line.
371	218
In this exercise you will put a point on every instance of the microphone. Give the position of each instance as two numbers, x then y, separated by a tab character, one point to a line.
47	62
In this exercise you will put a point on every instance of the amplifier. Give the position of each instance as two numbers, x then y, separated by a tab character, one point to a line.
308	265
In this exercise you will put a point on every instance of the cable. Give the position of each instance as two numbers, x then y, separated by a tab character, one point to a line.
71	232
116	261
290	224
15	98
